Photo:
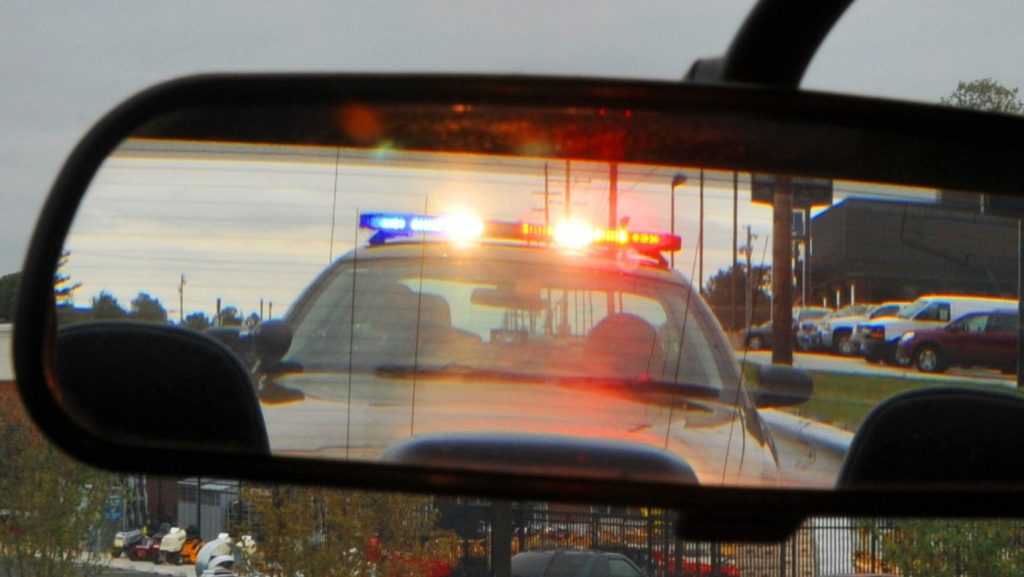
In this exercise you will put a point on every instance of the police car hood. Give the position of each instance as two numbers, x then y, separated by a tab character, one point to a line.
362	417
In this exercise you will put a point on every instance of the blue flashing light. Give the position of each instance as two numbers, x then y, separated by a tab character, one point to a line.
571	234
390	225
426	224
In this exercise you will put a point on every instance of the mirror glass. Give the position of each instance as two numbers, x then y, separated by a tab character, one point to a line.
539	278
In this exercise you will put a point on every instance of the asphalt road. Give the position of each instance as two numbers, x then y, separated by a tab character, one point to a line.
857	365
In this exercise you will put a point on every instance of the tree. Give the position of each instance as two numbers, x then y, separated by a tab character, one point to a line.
230	317
718	293
8	289
197	321
302	529
954	547
985	94
55	505
106	307
63	288
149	309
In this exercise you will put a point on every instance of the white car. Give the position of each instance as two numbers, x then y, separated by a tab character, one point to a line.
881	336
840	331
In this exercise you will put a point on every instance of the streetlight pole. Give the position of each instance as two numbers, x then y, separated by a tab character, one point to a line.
181	301
735	253
700	238
678	180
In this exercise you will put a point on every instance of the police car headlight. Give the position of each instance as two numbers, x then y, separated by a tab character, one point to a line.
907	336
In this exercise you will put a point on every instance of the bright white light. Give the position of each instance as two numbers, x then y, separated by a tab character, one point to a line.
463	227
426	224
573	233
391	223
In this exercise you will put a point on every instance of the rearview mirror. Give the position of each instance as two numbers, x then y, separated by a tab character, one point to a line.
350	239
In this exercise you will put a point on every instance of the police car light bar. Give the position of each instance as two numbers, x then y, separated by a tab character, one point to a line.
456	226
577	234
569	233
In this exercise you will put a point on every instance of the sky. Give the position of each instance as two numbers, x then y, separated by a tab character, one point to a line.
248	224
64	64
253	225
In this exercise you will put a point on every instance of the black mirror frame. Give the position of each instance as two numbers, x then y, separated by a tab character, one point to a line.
887	142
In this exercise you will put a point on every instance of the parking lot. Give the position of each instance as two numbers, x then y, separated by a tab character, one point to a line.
857	365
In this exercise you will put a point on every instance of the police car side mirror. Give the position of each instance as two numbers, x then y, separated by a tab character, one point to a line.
781	386
270	342
267	342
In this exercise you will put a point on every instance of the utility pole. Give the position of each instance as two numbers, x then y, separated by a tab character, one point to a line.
568	195
748	295
808	245
613	217
181	300
613	196
547	212
700	238
735	251
782	272
677	180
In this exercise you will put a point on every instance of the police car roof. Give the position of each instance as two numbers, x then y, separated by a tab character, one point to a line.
591	260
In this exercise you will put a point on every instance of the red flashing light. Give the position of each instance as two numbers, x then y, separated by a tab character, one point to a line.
577	234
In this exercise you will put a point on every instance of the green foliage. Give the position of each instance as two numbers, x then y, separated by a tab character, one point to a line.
106	307
149	309
8	289
323	532
985	94
230	317
197	321
63	288
719	295
954	548
55	505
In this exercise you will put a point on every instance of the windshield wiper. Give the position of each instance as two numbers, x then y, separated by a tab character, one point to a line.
467	372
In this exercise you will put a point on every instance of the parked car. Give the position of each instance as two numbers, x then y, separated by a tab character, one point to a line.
573	563
987	339
760	337
848	339
814	336
881	336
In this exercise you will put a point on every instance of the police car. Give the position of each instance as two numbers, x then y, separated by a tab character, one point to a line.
509	340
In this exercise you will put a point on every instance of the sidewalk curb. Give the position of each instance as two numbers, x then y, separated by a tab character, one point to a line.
123	564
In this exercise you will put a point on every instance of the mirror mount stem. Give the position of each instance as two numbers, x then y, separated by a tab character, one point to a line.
770	24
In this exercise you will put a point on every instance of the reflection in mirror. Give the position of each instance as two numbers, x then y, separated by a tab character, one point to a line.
533	294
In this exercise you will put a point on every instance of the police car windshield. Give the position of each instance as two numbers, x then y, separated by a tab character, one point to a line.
509	311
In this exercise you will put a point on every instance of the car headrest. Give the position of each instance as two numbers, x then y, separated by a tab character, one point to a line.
434	312
624	341
173	387
939	436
